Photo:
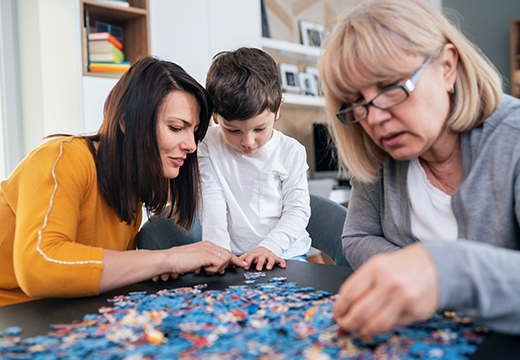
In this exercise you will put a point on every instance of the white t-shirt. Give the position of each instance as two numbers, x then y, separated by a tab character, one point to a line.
431	214
255	200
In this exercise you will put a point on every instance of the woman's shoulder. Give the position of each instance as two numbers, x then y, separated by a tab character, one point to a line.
71	152
501	129
506	115
63	146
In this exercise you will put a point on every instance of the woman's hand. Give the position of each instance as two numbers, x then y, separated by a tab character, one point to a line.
261	256
389	290
201	255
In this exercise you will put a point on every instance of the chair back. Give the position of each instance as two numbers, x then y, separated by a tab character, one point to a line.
326	227
160	233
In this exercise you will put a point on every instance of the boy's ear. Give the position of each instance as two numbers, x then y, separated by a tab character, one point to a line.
215	120
278	112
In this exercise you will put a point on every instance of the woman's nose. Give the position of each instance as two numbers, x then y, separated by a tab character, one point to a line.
377	116
189	143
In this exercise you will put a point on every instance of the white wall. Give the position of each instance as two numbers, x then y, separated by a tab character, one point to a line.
190	33
11	140
50	65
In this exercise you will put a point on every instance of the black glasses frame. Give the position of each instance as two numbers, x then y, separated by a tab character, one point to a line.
408	87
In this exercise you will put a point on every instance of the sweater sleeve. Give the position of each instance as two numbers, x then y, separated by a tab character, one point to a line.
296	206
481	279
48	260
213	208
362	233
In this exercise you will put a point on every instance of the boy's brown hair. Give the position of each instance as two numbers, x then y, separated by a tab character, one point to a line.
244	83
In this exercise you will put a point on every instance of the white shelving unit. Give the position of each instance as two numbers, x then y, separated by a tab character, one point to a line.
292	51
294	99
295	52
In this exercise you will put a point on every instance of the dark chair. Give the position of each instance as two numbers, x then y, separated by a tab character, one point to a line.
325	228
160	233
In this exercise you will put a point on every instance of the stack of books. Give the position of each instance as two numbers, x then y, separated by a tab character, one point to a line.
106	54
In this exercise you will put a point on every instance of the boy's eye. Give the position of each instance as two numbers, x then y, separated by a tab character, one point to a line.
232	131
262	129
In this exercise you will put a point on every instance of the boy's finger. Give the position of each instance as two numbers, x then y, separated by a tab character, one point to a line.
260	263
270	263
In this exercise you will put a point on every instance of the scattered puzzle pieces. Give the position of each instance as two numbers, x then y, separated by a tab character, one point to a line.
274	320
254	275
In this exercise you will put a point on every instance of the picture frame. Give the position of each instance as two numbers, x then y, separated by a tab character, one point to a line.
315	71
289	75
311	34
308	85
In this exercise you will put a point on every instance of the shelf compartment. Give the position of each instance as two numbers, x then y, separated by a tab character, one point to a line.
135	23
290	50
301	100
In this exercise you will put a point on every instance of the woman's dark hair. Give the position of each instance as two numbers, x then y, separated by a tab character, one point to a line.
129	166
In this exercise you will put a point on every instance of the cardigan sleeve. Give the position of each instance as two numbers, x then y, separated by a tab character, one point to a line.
50	185
362	232
481	279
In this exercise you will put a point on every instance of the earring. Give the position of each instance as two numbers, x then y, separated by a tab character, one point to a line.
452	90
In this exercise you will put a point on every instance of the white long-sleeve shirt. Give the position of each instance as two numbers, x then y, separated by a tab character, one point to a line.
255	200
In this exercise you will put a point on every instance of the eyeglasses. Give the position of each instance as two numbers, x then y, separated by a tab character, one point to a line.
386	99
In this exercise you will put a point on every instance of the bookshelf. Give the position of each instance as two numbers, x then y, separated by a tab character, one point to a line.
134	20
514	38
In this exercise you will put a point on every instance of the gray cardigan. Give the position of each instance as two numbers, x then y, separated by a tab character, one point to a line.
479	273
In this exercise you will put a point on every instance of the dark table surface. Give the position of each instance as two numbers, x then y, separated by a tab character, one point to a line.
35	317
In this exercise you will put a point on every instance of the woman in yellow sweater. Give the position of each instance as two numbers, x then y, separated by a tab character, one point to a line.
71	209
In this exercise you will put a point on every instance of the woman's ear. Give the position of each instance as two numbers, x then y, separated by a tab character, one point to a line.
122	124
277	116
450	60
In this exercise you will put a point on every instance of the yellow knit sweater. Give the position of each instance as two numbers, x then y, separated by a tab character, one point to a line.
54	225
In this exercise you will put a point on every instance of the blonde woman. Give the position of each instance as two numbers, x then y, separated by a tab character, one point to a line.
419	119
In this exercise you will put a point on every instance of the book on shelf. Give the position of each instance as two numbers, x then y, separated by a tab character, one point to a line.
105	36
109	67
122	3
108	57
105	51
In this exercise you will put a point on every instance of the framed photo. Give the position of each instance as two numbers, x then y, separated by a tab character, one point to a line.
314	71
311	33
289	75
308	85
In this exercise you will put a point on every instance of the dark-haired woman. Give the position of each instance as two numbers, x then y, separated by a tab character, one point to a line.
72	207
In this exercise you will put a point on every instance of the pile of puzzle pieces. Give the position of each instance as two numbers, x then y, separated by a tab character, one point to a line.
273	320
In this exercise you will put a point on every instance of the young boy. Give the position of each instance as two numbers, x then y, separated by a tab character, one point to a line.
255	197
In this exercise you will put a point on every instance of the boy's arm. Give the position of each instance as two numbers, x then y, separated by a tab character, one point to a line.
212	208
296	209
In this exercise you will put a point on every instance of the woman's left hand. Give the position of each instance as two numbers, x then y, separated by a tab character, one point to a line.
194	257
389	290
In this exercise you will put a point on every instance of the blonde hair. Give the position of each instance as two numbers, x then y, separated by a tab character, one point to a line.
368	45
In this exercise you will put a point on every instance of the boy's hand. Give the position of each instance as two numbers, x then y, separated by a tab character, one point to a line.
261	256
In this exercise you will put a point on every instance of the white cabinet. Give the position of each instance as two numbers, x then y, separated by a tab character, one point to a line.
190	33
